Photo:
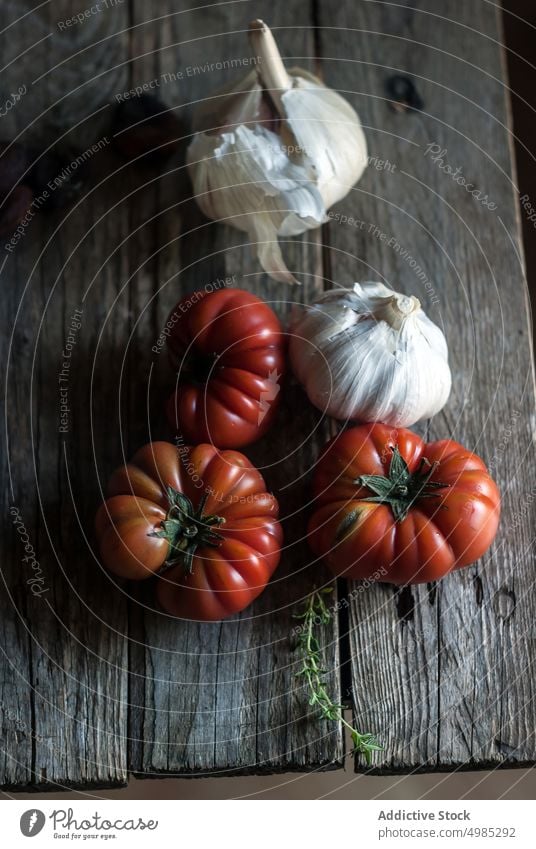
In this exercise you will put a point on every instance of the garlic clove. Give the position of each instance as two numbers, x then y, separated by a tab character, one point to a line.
334	143
244	179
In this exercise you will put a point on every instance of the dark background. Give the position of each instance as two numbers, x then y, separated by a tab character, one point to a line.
519	17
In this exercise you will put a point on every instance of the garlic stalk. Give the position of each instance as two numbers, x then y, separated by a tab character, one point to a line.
370	354
279	150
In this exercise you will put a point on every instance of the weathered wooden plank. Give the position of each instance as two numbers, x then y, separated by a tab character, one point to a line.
63	69
64	673
223	697
442	674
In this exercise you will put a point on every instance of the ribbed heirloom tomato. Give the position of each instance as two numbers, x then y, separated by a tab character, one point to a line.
228	349
384	499
200	515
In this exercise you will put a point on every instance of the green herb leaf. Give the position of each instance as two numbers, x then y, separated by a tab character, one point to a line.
312	670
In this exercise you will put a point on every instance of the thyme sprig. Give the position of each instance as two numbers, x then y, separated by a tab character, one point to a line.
316	613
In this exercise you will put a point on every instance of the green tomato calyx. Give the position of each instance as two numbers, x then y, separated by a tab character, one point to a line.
186	529
401	489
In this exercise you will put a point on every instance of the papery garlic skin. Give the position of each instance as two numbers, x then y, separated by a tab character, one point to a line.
244	178
370	354
329	132
273	164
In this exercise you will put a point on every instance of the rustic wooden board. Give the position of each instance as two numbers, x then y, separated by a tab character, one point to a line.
95	680
222	698
63	688
443	673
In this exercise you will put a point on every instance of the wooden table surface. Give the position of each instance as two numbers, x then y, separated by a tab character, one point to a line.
96	683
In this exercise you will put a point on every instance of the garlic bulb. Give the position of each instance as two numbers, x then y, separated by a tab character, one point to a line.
370	354
281	150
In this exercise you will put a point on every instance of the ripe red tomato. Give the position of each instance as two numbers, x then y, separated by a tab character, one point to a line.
200	515
386	500
228	349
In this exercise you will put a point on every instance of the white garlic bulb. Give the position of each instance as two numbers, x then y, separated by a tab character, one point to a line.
370	354
276	155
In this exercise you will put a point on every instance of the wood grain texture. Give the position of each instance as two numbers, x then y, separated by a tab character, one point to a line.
95	680
444	674
223	698
64	678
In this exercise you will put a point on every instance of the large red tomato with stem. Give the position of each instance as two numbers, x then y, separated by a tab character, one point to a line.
228	349
387	502
198	518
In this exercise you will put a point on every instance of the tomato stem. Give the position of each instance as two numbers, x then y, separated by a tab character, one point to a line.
400	489
186	529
